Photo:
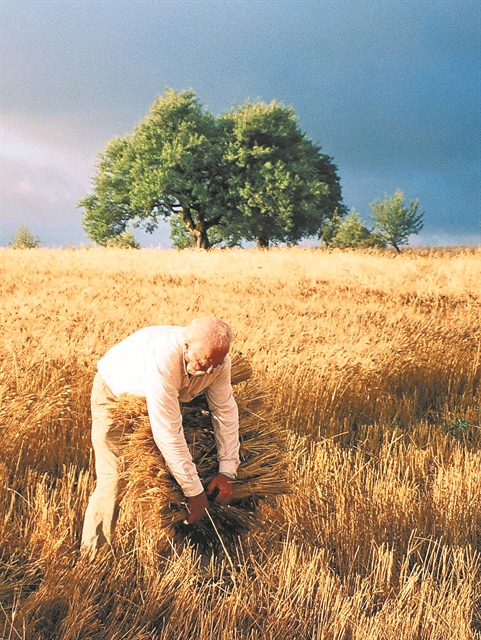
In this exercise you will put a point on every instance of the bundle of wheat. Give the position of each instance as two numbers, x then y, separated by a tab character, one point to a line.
152	493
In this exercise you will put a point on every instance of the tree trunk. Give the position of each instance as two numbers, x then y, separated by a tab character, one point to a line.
198	229
201	239
262	243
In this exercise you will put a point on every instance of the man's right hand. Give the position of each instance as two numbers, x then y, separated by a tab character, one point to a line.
197	507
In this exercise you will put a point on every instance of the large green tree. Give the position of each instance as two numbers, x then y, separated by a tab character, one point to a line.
170	165
394	222
178	165
248	174
282	188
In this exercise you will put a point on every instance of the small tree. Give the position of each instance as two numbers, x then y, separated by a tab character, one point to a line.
394	222
23	239
125	240
350	232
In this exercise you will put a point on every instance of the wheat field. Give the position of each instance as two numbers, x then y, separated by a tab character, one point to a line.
372	362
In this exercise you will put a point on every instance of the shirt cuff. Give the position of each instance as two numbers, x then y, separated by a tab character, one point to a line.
193	489
228	467
231	476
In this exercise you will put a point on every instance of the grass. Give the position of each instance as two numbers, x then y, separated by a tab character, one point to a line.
372	364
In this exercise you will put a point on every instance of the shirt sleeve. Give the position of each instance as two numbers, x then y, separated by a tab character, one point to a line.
162	394
225	420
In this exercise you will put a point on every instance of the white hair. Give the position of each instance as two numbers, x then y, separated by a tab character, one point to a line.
211	331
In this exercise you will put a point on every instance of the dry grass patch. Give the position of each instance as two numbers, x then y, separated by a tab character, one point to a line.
370	361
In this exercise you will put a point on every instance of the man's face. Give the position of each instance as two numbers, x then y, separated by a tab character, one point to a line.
201	360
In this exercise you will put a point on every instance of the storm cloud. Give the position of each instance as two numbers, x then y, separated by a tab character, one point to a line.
390	89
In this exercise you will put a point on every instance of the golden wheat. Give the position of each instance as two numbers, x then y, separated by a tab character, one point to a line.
372	363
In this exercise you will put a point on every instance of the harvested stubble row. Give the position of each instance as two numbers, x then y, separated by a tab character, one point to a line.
151	493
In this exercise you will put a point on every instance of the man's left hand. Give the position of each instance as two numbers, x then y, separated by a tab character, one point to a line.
225	488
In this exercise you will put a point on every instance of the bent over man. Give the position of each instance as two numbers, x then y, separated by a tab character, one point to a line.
166	365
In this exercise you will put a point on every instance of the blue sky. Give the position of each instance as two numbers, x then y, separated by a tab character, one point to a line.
391	89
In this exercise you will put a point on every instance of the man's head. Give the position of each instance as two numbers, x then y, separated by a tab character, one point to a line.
206	344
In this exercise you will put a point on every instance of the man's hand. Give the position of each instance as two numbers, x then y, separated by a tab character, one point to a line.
224	487
197	507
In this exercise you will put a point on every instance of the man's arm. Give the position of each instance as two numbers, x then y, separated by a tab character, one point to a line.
166	422
162	382
225	420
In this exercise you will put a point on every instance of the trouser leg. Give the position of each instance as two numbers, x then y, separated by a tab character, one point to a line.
101	513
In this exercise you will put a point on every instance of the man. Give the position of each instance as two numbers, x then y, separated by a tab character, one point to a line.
166	365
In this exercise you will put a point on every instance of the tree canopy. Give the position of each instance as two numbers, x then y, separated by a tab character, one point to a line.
249	174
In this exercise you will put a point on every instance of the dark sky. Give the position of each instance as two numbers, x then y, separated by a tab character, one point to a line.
390	88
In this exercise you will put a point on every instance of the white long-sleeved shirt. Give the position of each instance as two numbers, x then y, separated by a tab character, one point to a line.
150	363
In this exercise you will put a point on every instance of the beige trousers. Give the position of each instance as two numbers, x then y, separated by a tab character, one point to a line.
102	509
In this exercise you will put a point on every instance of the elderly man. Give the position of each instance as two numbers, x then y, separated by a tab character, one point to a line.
166	365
